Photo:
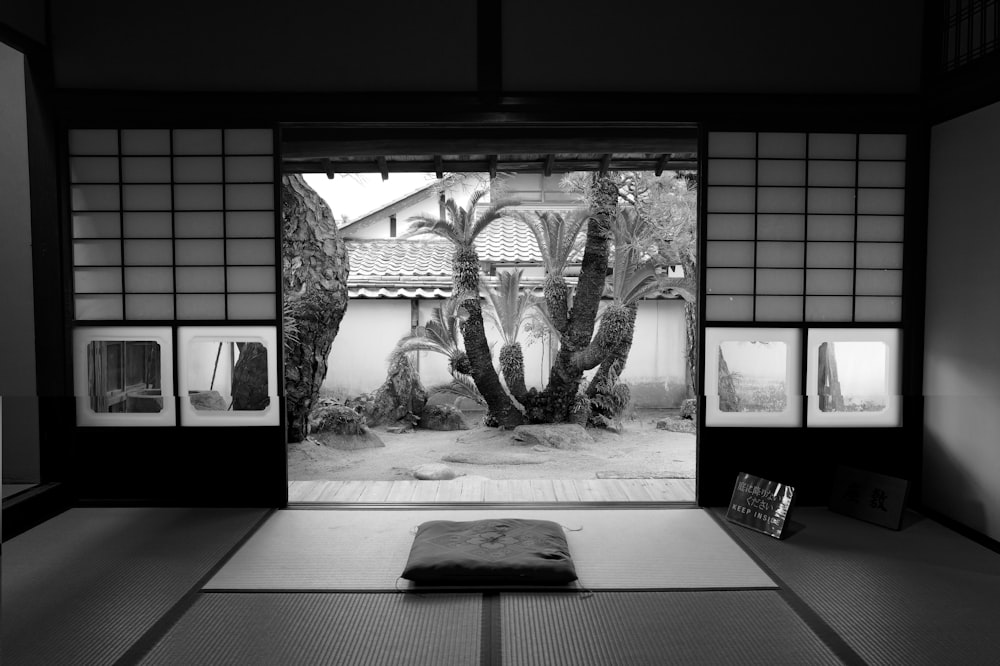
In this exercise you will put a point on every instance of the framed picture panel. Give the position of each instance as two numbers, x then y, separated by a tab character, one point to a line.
228	375
123	376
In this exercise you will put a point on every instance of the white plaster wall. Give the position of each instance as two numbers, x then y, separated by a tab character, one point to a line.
359	355
372	327
19	430
961	352
657	355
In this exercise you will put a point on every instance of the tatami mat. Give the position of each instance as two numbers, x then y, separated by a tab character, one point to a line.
367	550
922	595
82	587
272	629
657	628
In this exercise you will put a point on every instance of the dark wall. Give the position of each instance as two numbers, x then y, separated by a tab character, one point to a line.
25	17
295	46
725	46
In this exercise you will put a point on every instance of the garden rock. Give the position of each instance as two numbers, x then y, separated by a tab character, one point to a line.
554	435
433	472
675	425
340	427
400	396
442	417
210	400
487	458
689	409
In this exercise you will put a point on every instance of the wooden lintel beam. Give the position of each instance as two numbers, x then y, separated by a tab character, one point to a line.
481	165
383	167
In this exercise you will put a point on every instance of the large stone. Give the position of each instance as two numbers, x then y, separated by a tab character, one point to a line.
676	425
433	472
487	458
364	440
401	395
340	427
339	419
552	435
689	409
208	400
442	417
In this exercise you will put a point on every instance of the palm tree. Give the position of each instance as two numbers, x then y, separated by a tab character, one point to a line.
509	307
561	400
558	239
440	335
461	226
633	277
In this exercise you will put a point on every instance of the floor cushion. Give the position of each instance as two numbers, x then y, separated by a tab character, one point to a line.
499	551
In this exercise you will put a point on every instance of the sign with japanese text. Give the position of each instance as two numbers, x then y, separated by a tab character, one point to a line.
760	504
868	496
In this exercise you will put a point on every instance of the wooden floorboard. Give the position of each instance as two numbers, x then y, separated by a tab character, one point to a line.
492	490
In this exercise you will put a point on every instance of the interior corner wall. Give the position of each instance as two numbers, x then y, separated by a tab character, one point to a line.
26	17
19	429
961	354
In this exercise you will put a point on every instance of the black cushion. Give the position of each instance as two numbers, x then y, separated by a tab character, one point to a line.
502	551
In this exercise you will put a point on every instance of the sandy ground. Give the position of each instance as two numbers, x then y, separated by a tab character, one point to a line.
639	451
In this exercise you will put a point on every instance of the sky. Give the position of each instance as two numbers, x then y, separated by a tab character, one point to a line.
354	195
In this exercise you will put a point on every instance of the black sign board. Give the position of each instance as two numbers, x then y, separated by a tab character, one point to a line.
868	496
760	504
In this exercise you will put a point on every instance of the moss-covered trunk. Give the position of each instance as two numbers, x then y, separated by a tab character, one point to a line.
314	275
559	401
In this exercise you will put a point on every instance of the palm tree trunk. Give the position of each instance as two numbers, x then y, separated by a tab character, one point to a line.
560	395
690	353
512	367
612	367
477	348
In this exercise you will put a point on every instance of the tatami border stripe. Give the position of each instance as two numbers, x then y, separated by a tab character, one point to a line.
154	634
491	651
825	632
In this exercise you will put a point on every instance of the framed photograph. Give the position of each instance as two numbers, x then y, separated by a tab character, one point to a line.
752	377
228	375
853	377
123	376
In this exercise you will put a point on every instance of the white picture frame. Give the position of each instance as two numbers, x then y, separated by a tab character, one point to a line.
188	340
791	415
86	415
891	415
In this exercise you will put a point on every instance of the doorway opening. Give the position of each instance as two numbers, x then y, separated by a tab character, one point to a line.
445	262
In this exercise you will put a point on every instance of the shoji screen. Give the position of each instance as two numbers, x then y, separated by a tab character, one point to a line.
173	224
804	227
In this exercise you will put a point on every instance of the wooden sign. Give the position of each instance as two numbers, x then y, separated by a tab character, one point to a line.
760	505
868	496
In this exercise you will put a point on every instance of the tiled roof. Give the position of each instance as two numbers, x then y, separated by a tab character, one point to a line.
395	268
507	241
392	257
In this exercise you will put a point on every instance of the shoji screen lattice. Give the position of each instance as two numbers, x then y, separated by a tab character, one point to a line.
173	224
804	227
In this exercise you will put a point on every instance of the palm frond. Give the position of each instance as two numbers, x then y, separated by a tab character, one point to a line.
494	211
462	387
509	304
428	224
558	237
439	335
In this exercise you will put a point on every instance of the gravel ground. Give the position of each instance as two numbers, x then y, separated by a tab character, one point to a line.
639	451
